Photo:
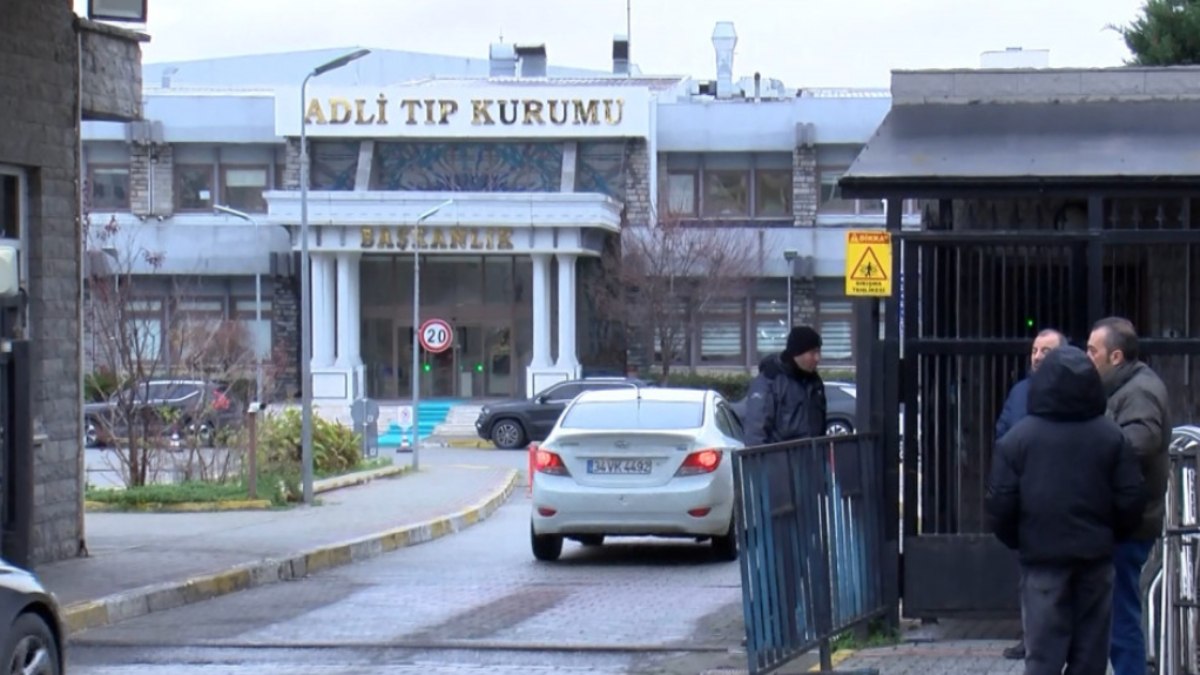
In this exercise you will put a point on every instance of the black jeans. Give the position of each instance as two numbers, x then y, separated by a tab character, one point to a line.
1067	617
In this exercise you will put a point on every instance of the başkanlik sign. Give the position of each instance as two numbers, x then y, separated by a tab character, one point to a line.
437	238
454	112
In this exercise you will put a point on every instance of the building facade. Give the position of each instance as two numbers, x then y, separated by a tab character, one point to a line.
528	178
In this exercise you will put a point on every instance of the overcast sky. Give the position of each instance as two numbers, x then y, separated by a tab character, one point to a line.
805	43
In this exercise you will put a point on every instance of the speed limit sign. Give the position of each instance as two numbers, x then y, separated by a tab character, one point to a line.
436	336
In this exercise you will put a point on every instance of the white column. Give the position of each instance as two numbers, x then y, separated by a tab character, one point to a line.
322	309
541	311
348	354
566	314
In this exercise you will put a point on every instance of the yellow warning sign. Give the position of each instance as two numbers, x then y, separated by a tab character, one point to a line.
869	263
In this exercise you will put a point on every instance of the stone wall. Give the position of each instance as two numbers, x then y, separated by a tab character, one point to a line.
285	338
637	183
291	167
151	179
805	191
111	59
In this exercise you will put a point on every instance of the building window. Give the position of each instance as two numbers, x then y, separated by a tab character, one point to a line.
242	188
681	194
10	206
772	193
193	187
721	332
831	194
109	188
836	320
144	322
259	332
770	327
726	194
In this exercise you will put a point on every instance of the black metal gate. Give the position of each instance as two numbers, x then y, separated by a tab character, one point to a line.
970	305
17	474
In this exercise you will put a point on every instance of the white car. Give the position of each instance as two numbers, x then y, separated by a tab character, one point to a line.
637	462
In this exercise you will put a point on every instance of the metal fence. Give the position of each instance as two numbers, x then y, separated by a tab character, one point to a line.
810	526
1173	619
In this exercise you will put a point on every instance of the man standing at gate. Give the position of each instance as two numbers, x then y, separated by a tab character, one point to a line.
1015	409
1064	489
786	400
1137	402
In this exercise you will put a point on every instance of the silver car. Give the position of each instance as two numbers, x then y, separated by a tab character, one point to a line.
31	629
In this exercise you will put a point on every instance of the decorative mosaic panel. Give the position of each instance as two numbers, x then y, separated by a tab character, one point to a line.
334	165
600	167
468	167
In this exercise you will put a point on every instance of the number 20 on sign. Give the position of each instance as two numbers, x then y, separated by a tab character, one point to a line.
869	263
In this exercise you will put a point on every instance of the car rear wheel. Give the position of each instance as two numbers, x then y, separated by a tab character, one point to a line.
91	435
30	648
839	428
508	434
725	545
546	547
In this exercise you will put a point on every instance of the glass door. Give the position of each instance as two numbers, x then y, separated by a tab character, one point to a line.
497	362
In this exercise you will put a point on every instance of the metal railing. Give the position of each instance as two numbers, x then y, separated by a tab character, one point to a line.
1173	612
810	527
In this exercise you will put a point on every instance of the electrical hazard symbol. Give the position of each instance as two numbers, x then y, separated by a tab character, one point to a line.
869	263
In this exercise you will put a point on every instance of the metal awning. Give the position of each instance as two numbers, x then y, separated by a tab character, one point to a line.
930	150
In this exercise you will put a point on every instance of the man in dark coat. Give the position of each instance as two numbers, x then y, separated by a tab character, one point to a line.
786	400
1137	402
1015	409
1065	487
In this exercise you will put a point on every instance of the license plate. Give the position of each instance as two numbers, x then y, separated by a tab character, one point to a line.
619	466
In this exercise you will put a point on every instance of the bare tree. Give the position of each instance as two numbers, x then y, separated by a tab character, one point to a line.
668	275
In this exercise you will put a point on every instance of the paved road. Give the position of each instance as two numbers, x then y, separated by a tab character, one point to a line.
474	602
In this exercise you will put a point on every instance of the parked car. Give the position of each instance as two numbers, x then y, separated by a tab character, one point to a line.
637	462
513	424
840	406
198	407
31	628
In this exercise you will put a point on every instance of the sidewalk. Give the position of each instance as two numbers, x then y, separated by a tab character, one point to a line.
144	562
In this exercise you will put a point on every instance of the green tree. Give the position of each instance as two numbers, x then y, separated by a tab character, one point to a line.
1166	33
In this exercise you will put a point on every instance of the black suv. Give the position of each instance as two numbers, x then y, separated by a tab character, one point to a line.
513	424
198	407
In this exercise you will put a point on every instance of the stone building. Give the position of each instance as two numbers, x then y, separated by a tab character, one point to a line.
54	69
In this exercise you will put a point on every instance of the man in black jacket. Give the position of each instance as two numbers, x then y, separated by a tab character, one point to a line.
786	400
1065	487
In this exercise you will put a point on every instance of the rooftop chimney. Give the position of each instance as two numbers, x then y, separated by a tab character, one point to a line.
620	55
533	60
503	60
724	39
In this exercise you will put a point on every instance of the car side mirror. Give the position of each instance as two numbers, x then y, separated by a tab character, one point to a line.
541	399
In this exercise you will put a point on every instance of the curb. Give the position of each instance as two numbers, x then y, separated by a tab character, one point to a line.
836	659
81	616
319	487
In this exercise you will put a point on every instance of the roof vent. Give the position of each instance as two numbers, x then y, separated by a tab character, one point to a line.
620	55
502	59
533	60
724	39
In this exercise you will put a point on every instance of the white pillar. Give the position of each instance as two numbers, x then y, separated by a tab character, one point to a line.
566	314
322	310
541	311
348	353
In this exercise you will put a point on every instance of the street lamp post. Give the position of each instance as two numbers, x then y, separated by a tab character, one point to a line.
416	330
258	358
306	423
790	256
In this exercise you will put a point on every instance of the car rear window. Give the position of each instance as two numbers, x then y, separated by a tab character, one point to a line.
642	415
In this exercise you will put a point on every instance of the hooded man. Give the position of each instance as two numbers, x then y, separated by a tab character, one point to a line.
1065	487
786	400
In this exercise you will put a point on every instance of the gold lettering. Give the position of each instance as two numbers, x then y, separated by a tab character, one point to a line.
385	238
480	113
382	102
402	238
504	238
533	110
429	111
314	115
458	237
339	111
608	111
504	118
475	243
446	107
489	240
555	118
439	238
418	238
368	238
359	104
587	114
411	105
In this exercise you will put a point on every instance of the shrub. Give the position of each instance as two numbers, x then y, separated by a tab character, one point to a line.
732	386
100	385
336	448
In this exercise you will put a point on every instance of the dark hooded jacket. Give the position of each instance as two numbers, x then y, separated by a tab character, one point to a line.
784	403
1065	485
1137	402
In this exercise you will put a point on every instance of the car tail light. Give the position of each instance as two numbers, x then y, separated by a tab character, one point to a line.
545	461
699	513
220	401
699	462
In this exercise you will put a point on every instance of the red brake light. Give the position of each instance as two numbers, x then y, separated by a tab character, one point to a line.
699	462
545	461
220	401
